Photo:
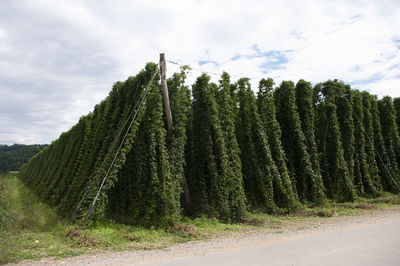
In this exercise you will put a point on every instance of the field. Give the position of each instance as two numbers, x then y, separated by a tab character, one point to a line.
32	230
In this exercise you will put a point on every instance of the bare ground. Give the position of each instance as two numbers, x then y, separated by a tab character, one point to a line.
231	242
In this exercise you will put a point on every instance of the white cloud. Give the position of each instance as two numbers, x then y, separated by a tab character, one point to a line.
59	58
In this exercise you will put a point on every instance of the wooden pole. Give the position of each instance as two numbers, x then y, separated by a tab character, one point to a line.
163	70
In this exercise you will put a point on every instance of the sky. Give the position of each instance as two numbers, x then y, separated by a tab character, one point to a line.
60	58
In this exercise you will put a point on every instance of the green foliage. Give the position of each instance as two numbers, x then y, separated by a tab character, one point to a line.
234	180
14	156
259	169
233	151
215	186
396	105
337	180
151	195
284	190
204	179
343	99
362	181
176	141
391	139
339	94
370	149
80	158
304	102
308	182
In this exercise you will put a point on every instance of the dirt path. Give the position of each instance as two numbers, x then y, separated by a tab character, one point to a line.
365	234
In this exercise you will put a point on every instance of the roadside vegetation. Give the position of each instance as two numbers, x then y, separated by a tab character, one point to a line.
30	229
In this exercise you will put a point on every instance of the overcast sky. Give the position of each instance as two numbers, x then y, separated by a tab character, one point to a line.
59	58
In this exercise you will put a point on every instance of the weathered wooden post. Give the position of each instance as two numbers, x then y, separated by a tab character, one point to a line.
163	70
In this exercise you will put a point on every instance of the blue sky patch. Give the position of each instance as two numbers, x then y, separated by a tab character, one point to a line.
397	42
274	59
371	79
355	68
394	66
203	62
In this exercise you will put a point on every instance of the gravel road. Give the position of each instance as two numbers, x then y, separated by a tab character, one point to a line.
371	239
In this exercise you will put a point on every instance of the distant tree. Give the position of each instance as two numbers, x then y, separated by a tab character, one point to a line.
14	156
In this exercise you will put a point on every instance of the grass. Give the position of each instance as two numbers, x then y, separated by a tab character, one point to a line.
30	229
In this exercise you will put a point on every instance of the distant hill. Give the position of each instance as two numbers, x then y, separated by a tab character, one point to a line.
14	156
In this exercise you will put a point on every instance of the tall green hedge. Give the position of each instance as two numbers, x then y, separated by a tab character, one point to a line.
363	180
286	193
308	182
229	152
335	171
391	138
370	149
215	178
